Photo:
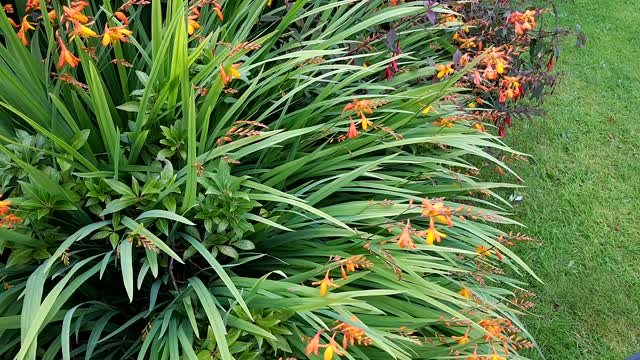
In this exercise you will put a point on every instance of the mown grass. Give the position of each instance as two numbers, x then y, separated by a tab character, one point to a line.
583	190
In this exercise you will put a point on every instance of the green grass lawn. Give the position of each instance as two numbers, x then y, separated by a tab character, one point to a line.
583	190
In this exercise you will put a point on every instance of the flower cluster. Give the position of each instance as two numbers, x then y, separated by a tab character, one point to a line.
513	57
7	220
351	334
350	264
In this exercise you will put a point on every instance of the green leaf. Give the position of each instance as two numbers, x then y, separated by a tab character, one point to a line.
220	271
166	215
134	226
215	320
126	264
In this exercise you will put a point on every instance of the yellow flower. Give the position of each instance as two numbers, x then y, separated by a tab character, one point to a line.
325	284
444	70
115	34
465	292
193	26
483	251
228	75
82	31
25	25
434	235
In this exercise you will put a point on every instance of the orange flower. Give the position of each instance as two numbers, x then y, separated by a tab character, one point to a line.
353	131
75	12
494	327
364	106
192	23
352	334
82	31
4	206
523	22
115	34
25	26
122	17
218	9
228	75
438	210
352	263
314	344
32	5
10	221
404	239
444	70
468	43
66	57
325	284
511	88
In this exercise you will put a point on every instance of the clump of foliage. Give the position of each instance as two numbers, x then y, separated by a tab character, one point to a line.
236	180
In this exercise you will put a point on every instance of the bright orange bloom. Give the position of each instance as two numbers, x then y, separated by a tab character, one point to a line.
364	106
523	22
511	88
10	221
4	206
495	62
478	126
495	328
218	9
75	12
32	5
314	344
468	43
66	57
404	239
353	131
437	209
25	26
192	23
230	73
444	70
52	16
82	31
352	263
325	284
352	334
122	17
115	34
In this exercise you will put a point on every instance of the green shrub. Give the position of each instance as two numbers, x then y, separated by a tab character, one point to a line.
253	190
